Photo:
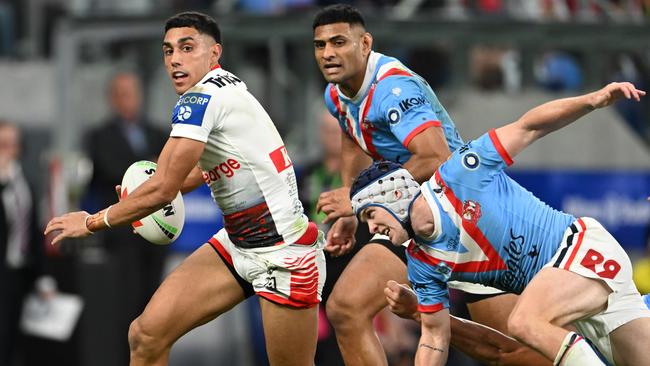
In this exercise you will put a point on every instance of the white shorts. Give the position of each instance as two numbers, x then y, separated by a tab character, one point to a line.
287	274
590	251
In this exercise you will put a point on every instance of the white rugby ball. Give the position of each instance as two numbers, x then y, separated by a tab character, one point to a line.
164	225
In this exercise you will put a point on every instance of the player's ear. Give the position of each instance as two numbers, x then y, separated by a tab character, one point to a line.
366	43
215	51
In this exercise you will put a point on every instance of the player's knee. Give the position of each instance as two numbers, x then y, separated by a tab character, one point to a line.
339	311
520	326
143	343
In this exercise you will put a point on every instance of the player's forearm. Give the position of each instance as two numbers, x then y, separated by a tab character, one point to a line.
146	199
433	349
490	346
353	161
422	168
556	114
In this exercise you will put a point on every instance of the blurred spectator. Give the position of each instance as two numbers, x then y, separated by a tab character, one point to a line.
559	72
485	67
642	270
21	244
134	266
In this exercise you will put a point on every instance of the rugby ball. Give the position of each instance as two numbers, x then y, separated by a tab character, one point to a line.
164	225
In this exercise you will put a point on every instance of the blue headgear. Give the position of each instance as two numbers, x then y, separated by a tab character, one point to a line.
387	185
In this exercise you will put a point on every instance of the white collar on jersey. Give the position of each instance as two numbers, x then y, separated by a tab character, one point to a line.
371	67
428	193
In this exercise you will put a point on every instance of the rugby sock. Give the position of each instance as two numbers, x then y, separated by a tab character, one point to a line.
575	351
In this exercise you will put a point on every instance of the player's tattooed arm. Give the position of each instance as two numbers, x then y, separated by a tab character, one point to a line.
433	348
434	341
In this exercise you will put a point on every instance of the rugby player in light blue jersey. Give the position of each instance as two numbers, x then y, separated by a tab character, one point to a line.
471	222
386	112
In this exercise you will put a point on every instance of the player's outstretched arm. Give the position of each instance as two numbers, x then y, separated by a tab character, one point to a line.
556	114
176	161
433	348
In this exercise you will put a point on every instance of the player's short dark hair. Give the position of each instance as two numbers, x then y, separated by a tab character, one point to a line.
203	23
338	13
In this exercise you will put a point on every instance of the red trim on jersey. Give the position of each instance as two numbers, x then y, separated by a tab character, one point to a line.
366	131
419	129
284	301
394	71
335	98
217	66
334	95
577	247
430	308
500	149
219	247
310	235
494	261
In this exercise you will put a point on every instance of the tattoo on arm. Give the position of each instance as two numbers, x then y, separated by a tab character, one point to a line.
431	347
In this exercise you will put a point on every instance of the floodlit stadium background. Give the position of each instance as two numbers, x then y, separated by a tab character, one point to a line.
488	60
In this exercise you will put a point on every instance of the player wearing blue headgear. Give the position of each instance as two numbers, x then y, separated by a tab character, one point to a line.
387	112
471	222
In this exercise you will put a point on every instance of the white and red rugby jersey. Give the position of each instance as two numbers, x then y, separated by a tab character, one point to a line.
244	163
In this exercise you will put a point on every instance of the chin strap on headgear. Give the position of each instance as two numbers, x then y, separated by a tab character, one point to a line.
387	185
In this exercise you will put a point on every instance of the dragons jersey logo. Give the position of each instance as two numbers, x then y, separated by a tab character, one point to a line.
471	211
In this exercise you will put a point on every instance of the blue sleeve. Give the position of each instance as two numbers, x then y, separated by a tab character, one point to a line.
429	284
476	163
404	107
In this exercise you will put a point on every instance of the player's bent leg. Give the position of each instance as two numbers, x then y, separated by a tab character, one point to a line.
199	290
630	343
291	333
357	297
492	311
545	307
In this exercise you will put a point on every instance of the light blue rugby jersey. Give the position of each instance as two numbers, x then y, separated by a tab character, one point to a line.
494	232
392	106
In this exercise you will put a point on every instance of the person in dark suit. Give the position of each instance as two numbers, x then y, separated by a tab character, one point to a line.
134	266
21	251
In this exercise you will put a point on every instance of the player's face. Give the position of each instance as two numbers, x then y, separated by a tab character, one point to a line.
341	51
380	221
189	55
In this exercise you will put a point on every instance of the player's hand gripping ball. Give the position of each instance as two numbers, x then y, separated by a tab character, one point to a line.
164	225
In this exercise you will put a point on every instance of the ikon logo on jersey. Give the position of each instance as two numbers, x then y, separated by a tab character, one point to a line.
280	158
408	103
191	108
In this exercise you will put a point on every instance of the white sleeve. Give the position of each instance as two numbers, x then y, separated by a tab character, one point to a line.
196	115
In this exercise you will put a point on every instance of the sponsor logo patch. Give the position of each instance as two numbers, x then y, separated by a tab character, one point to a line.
408	103
191	108
471	161
394	116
